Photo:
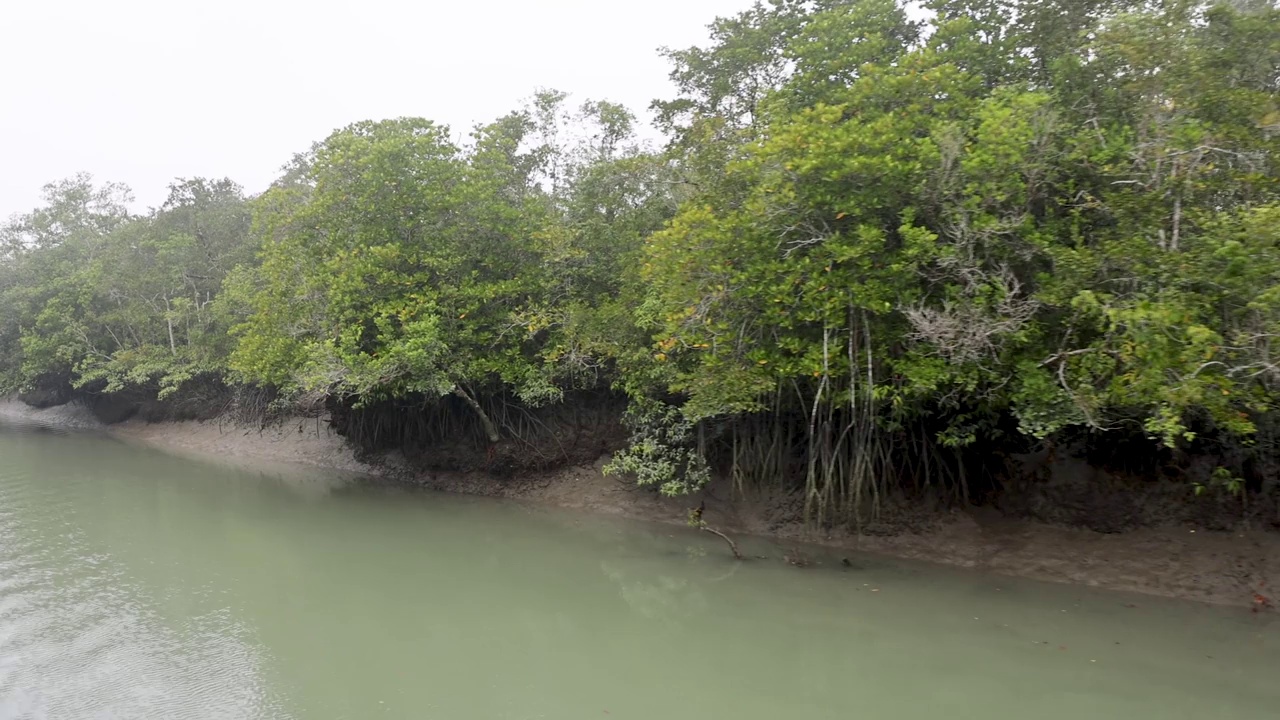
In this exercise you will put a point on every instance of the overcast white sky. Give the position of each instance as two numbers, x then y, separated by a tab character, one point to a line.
143	91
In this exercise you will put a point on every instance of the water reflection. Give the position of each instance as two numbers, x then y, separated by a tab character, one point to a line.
135	584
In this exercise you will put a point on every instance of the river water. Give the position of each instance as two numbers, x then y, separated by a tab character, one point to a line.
135	584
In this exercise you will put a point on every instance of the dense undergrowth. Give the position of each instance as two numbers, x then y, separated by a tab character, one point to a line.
877	256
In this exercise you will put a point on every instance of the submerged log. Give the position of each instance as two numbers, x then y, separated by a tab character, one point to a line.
732	545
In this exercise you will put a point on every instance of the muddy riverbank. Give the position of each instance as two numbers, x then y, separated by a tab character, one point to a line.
1221	567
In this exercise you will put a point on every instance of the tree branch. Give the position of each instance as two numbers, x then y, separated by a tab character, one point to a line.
732	545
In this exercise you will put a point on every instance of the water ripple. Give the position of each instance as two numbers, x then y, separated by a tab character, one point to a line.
81	638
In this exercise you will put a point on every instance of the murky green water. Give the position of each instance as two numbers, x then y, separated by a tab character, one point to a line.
137	585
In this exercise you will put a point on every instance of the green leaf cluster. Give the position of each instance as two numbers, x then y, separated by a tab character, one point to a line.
886	233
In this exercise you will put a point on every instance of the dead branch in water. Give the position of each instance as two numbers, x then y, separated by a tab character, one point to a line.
732	545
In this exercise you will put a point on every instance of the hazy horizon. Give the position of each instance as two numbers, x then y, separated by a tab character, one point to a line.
146	91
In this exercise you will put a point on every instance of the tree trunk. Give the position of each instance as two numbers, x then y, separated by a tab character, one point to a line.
168	318
489	428
1177	205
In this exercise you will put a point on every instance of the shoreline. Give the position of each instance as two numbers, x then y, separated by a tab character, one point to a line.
1222	568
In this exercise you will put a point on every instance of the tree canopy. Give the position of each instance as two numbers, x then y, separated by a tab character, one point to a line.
873	240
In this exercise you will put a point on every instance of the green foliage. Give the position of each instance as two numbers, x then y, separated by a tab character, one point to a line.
104	300
397	263
663	450
1019	214
1221	479
898	238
